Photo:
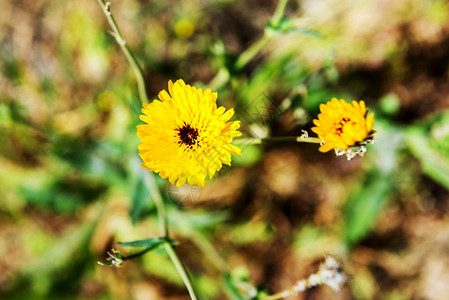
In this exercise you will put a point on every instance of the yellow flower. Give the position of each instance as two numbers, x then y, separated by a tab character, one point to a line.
184	28
341	125
186	136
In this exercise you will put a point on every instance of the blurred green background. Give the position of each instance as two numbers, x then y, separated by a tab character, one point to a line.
71	182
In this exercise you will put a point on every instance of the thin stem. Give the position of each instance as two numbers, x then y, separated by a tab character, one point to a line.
251	52
163	222
261	43
258	141
154	191
223	76
277	296
220	79
209	251
279	12
181	270
273	297
129	56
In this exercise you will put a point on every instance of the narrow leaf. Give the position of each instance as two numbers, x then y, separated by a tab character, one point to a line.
148	243
434	163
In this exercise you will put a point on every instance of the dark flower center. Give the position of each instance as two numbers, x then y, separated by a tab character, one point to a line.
187	135
341	125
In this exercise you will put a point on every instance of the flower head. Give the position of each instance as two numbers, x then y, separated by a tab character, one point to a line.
343	126
186	136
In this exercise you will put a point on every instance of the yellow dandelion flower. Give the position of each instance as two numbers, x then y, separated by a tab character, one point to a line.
341	126
186	136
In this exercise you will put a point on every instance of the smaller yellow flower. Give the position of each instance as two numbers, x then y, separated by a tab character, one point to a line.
185	28
341	125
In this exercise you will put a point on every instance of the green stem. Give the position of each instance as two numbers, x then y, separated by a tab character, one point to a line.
160	207
209	251
129	56
219	80
258	141
251	52
279	12
181	270
163	222
223	75
277	296
261	43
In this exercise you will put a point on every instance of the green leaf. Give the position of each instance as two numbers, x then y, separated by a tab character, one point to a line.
434	163
139	199
287	26
367	200
231	289
364	206
308	32
198	219
62	262
148	243
140	195
63	193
